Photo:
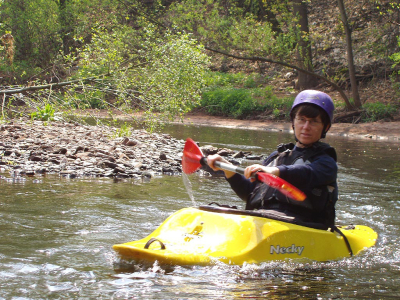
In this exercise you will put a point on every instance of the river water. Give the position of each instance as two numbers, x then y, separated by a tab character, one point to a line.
57	233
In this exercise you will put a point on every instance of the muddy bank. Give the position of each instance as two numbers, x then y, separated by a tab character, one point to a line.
385	131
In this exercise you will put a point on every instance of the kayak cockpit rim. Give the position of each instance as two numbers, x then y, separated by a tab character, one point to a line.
264	213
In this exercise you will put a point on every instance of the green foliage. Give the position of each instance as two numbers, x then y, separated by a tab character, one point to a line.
139	66
35	27
395	57
105	54
174	79
231	25
44	114
78	97
158	74
44	29
219	79
20	72
240	96
236	103
378	111
124	130
222	79
280	106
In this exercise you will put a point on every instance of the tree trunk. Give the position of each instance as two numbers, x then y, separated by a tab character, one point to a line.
66	28
350	58
266	13
304	54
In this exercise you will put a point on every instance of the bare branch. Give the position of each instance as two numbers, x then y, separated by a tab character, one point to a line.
43	87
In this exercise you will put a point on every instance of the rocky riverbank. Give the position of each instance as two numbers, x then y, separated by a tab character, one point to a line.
74	150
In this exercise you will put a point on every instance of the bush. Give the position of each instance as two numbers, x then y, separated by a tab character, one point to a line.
224	97
378	111
44	114
214	79
237	103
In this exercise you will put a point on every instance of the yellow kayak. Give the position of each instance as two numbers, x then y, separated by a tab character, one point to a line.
208	234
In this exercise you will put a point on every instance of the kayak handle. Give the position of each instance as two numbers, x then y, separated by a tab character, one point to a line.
152	240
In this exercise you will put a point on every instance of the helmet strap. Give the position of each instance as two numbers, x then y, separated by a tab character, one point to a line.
327	127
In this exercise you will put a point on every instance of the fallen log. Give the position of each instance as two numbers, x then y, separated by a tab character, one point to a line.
343	116
17	90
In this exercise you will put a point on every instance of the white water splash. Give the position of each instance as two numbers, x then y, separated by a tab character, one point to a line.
188	186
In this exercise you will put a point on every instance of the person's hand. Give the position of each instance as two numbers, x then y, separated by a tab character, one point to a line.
251	170
211	159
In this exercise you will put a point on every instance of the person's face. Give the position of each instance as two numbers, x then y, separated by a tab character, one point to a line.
307	130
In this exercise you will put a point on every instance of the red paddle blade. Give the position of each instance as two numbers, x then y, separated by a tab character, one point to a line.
191	157
282	185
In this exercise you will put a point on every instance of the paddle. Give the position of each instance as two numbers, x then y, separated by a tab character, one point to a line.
193	159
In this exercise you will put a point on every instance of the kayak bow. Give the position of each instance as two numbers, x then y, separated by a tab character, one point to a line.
205	235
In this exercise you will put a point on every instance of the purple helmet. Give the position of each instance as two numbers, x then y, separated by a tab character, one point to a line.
315	97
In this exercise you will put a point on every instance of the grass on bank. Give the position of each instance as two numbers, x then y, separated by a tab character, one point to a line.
244	96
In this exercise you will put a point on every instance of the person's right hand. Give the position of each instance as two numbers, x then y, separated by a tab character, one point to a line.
211	159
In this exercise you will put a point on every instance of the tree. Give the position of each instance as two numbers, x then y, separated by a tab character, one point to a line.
304	55
67	28
275	32
159	74
249	39
350	58
35	28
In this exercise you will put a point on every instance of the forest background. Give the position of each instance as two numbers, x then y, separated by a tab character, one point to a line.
160	59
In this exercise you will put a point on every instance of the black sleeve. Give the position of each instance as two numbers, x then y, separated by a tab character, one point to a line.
242	186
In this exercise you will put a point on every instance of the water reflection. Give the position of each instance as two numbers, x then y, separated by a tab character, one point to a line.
57	233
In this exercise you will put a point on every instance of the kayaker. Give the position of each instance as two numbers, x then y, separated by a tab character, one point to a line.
308	164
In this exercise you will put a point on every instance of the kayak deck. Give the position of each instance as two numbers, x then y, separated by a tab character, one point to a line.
193	236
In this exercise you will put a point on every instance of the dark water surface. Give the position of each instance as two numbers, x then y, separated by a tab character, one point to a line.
57	233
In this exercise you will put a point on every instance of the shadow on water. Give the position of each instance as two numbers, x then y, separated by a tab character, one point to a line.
57	233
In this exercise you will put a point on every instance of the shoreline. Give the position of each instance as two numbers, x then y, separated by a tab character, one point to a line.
380	131
73	150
